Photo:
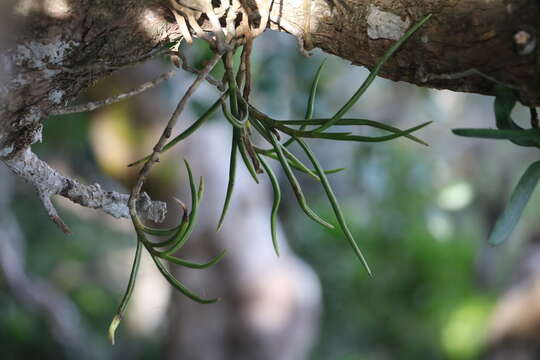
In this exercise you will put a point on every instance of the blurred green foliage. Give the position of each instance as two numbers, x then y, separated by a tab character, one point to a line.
423	302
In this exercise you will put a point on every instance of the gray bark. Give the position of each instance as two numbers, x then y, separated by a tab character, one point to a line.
58	48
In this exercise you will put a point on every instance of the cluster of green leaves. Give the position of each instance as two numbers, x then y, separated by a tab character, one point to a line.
176	239
507	129
247	121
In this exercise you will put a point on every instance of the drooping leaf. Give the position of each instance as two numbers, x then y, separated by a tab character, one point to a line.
192	265
127	295
179	286
518	200
295	185
232	177
245	155
530	136
335	204
196	196
311	100
275	204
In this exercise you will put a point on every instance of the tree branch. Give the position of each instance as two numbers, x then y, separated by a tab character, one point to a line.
116	98
497	38
49	182
41	72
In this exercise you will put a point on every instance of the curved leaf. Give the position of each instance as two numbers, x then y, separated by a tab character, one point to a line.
529	137
335	204
519	199
275	204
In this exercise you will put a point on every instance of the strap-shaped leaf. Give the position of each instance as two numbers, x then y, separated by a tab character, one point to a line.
179	286
231	118
173	232
275	203
196	196
348	136
127	295
245	156
355	122
335	204
297	164
311	100
529	136
295	185
519	199
232	178
192	265
175	238
281	125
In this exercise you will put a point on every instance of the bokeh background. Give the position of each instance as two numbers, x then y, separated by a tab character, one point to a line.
421	215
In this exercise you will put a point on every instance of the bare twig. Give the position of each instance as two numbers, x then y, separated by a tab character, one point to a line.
114	99
49	182
185	66
135	192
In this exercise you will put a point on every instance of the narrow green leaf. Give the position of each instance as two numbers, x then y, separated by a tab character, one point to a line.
178	285
159	232
196	196
245	157
295	185
341	112
313	91
232	177
275	204
347	136
519	199
127	295
355	122
335	204
230	117
311	100
296	166
176	237
175	231
192	265
531	136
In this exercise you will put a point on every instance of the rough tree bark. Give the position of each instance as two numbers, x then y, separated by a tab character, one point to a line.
61	47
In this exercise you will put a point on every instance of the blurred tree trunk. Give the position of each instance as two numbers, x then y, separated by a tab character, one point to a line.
514	329
269	306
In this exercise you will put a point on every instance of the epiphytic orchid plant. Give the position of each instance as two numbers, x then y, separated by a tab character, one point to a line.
247	120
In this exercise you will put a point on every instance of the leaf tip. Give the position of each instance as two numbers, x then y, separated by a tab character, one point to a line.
112	328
